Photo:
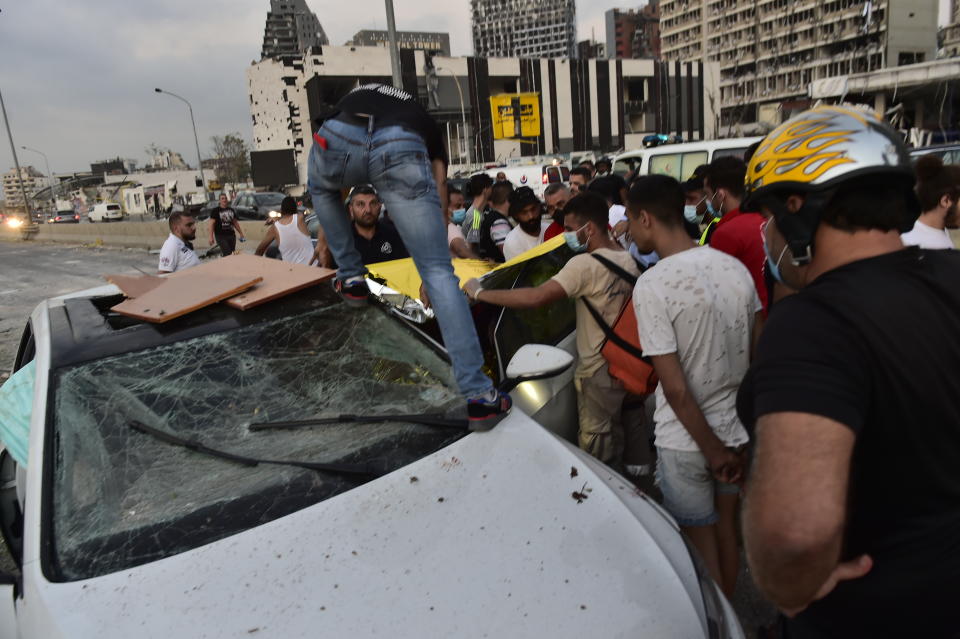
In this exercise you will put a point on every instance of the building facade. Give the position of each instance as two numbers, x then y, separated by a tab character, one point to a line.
950	34
32	180
291	29
634	33
434	43
524	28
584	105
770	51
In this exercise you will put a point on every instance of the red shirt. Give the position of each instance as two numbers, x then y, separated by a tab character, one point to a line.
738	234
552	231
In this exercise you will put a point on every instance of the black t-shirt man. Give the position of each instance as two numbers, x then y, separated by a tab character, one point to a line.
875	345
385	245
223	221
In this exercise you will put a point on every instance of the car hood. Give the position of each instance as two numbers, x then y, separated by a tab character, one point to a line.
511	532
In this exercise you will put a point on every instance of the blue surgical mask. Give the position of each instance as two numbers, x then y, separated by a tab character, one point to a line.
712	212
573	240
774	266
690	214
458	216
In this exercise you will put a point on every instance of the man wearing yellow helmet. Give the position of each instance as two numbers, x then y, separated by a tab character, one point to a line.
845	392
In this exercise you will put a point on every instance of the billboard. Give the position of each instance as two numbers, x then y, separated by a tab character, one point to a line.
515	115
274	168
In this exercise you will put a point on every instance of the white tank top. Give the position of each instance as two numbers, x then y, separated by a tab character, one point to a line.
294	246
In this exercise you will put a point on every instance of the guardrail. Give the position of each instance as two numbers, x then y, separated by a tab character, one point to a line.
148	235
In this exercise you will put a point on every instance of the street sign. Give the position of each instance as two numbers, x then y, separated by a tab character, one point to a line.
515	115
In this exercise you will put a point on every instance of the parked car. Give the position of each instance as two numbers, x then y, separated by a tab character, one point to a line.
256	206
104	212
64	217
406	527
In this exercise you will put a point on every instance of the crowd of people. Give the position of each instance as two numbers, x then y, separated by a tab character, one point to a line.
798	307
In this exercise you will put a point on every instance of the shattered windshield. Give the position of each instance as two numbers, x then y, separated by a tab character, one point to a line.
121	498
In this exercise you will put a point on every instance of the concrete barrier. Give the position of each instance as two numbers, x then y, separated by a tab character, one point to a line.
148	235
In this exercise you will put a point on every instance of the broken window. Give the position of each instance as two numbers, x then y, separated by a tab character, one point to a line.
121	498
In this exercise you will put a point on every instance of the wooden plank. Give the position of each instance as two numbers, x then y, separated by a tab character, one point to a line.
279	278
134	286
177	296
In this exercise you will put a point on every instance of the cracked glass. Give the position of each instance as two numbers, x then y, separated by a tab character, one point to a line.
122	498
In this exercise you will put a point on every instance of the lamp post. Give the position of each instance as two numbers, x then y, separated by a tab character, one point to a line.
463	112
53	189
16	162
196	141
392	38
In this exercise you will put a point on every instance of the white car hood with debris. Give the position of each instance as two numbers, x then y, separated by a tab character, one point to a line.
508	533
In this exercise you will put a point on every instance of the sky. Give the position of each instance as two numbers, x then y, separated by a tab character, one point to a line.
78	77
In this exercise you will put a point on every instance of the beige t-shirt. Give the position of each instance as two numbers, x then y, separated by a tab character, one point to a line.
584	277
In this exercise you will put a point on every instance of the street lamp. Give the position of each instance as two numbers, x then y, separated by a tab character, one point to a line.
53	190
463	111
195	139
16	162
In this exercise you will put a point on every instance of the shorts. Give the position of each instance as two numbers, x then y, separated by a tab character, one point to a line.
599	407
688	487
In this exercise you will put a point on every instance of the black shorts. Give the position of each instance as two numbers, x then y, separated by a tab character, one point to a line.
227	243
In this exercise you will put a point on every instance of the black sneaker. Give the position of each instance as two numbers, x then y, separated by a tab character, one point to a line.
484	414
355	292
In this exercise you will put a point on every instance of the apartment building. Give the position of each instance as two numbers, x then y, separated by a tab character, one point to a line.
432	42
950	34
32	179
770	51
633	33
583	104
524	28
291	29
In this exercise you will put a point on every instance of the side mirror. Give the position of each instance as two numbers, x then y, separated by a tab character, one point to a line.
535	361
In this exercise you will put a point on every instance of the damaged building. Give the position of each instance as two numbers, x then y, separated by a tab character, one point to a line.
291	29
771	51
524	28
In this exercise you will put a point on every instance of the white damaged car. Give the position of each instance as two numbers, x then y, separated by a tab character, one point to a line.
300	470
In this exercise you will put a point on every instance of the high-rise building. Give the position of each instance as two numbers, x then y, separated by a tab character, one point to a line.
770	51
950	34
291	29
634	33
432	42
32	180
524	28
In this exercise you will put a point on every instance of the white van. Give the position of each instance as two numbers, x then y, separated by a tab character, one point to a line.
679	160
104	212
536	176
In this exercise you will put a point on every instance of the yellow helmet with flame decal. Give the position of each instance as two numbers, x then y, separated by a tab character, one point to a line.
813	153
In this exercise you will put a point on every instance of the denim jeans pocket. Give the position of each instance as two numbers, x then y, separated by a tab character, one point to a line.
328	170
407	173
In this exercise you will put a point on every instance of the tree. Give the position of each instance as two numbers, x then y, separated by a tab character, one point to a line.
232	158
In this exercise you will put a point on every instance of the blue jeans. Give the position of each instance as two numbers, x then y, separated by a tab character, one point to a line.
396	163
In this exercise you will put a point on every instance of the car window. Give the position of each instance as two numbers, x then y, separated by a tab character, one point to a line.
546	325
723	153
121	498
27	349
679	166
269	199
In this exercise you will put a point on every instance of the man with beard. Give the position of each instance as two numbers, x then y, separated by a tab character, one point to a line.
177	252
938	188
527	211
376	240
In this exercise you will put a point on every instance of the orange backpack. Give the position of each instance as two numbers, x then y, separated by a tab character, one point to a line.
621	348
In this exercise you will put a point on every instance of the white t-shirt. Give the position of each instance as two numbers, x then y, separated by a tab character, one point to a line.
175	255
927	237
617	214
519	241
701	304
453	232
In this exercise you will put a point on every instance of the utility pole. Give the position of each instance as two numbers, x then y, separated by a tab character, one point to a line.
196	140
16	162
394	51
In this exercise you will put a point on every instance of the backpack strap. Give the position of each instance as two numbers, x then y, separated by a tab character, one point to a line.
612	335
618	270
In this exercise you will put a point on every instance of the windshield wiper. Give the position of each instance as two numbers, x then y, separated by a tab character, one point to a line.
203	449
424	419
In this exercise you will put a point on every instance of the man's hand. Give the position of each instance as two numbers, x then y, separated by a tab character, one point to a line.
725	464
424	298
844	571
472	287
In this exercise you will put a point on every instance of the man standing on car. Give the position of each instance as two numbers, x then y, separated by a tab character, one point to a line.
852	513
382	135
587	280
177	251
224	227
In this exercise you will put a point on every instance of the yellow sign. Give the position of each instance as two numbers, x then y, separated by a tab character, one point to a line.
515	115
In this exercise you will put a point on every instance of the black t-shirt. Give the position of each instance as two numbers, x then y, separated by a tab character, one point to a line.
391	106
385	245
223	221
875	345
